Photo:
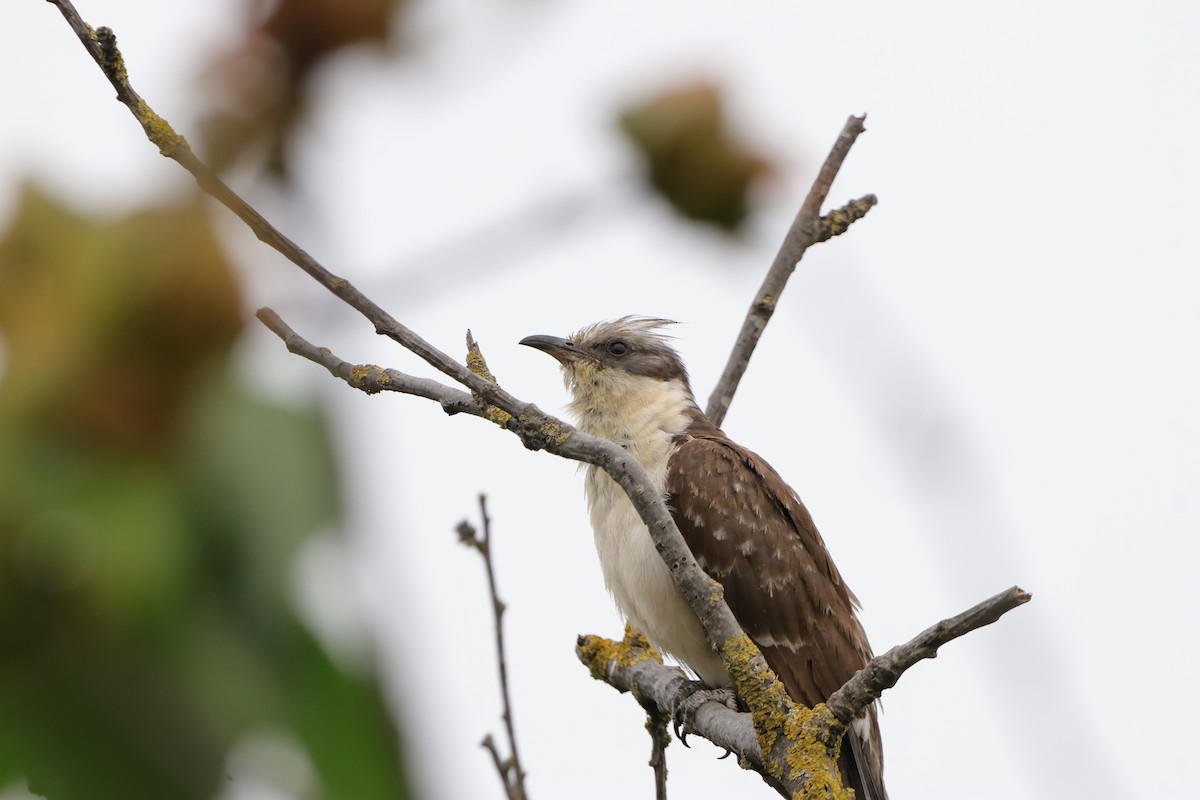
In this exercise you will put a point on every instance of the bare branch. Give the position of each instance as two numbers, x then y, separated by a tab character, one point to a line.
808	228
502	766
837	222
512	774
368	377
101	44
885	670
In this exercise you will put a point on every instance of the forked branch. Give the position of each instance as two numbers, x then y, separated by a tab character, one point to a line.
808	228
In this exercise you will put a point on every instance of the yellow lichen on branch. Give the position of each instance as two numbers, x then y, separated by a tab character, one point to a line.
810	753
758	688
806	731
477	364
599	654
838	221
368	378
160	132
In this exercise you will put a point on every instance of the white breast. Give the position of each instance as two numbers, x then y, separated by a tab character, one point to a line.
633	570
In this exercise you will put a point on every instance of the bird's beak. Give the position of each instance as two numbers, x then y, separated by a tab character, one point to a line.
566	352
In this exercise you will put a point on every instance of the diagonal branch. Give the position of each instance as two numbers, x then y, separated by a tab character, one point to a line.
368	377
808	228
883	671
101	44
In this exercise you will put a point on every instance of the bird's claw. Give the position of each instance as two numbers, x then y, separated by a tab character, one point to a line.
687	701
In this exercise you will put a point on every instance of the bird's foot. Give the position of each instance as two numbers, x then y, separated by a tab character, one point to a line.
687	701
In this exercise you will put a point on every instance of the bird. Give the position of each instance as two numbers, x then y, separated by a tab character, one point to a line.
745	526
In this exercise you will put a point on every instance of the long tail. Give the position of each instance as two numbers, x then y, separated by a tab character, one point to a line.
862	761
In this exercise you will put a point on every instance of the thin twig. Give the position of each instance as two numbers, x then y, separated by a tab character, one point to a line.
660	738
370	378
883	671
502	766
512	774
807	229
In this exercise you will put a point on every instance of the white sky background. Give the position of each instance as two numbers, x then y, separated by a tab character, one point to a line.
992	380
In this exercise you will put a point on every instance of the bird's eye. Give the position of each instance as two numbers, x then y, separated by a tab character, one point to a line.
618	348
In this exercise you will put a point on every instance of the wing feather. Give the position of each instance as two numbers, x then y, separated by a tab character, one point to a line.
750	531
758	540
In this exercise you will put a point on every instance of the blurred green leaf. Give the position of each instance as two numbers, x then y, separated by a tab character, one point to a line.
262	476
150	512
343	721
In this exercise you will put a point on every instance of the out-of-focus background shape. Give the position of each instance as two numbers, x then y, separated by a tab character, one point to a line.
151	514
225	575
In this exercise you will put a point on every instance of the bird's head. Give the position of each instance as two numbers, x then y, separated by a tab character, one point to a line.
613	368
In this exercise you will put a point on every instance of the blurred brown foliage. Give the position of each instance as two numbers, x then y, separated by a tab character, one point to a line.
150	510
261	83
693	158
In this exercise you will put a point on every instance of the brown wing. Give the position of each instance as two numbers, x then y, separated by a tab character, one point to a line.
750	532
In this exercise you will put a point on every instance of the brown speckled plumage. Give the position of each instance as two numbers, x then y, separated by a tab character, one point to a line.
750	531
